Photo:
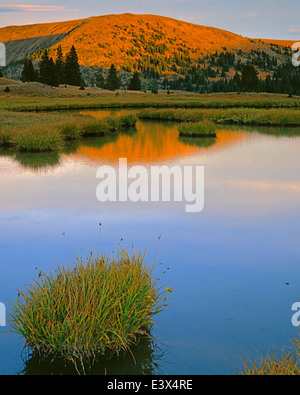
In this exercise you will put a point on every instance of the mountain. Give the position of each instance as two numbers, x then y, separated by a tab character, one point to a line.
125	40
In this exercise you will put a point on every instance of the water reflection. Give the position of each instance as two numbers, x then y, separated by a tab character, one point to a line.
37	161
144	359
150	141
228	264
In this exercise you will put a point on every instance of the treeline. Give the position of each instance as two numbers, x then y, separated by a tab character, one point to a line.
219	72
66	71
54	72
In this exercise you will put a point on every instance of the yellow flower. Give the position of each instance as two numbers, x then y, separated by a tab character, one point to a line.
169	289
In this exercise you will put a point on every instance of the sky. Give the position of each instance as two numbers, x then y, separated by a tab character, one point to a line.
276	19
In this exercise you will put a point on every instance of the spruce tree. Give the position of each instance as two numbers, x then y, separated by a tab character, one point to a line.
135	82
28	73
47	71
44	67
99	80
249	78
112	82
60	66
72	69
52	76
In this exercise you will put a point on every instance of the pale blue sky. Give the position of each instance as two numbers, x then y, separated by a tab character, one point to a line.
257	18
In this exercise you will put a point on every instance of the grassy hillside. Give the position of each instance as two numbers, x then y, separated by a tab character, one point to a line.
124	39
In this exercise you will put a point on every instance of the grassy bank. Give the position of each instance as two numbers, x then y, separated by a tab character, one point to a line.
52	131
242	116
100	305
146	100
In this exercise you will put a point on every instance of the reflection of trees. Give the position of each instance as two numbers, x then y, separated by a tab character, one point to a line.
142	359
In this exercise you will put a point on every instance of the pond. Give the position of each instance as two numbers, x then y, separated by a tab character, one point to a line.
227	264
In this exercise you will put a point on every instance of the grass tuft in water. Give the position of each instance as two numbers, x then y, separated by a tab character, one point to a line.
36	140
198	129
100	305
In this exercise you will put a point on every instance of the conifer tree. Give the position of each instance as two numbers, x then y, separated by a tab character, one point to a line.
249	78
72	69
112	82
135	82
28	73
43	67
99	80
60	66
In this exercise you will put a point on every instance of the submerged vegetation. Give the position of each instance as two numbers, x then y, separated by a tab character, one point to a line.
99	306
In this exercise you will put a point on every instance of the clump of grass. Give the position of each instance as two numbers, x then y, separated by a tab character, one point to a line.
70	130
38	141
5	137
99	127
198	129
284	363
173	114
100	305
128	120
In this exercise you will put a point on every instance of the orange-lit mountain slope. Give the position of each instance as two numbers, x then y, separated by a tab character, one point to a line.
122	39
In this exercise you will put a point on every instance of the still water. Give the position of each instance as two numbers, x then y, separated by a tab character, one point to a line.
227	264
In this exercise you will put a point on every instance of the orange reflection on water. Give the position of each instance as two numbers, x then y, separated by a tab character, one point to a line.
154	142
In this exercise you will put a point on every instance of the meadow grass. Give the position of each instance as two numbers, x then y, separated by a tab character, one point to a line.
100	305
198	129
162	100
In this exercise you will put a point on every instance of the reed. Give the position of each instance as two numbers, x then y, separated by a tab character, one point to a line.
100	305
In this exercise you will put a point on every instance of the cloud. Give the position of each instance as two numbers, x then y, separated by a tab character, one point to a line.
297	30
33	8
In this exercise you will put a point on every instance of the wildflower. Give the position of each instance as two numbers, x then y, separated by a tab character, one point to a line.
169	289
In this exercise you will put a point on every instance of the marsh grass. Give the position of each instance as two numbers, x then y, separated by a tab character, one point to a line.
199	129
241	116
284	362
35	140
51	132
78	313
